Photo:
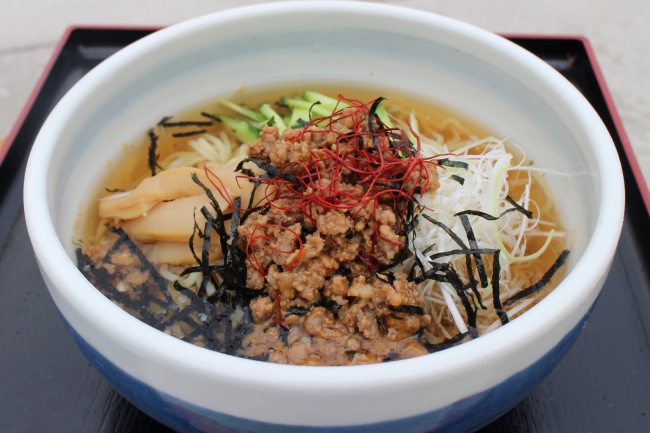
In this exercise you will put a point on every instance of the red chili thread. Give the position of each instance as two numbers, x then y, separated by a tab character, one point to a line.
383	162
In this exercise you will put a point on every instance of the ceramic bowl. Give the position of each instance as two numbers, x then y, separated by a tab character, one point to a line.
470	70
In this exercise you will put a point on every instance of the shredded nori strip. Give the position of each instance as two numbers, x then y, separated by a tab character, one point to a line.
218	222
447	230
153	157
390	277
178	286
235	270
211	116
448	163
542	282
164	122
343	272
191	241
519	207
496	270
157	278
455	281
484	215
459	252
101	279
372	117
446	344
474	245
297	311
438	272
408	309
189	133
311	107
460	180
272	170
114	190
392	356
205	252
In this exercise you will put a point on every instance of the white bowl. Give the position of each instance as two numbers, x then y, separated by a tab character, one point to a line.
468	69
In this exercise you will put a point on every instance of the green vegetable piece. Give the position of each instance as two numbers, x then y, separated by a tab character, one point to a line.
242	130
246	112
326	102
269	113
298	104
383	115
299	113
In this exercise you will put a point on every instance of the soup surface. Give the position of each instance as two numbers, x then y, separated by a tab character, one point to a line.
295	227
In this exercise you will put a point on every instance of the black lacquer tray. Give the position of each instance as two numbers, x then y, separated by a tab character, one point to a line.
46	384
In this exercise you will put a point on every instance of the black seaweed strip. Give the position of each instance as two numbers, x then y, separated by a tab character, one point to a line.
343	272
157	278
428	249
372	117
218	222
219	227
248	172
297	311
102	280
271	170
448	163
496	269
474	245
468	260
153	157
459	252
455	281
257	184
178	286
114	190
164	122
432	274
408	309
484	215
519	207
411	273
460	180
249	212
447	230
116	246
446	344
310	108
542	282
472	280
205	252
189	133
211	116
233	265
191	241
390	277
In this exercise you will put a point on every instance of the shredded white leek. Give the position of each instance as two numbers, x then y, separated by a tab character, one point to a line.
484	189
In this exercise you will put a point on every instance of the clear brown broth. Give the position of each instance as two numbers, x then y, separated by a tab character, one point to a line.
132	167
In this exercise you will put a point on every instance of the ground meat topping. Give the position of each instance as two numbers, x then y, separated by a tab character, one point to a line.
296	251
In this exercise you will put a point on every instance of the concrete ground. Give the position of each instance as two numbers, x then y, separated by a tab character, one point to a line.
618	30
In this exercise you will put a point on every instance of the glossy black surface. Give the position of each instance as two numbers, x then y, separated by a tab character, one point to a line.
46	385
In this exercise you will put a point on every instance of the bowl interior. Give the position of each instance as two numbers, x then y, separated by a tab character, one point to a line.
215	61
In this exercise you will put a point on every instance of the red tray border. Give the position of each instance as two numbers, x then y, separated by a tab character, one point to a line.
618	124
